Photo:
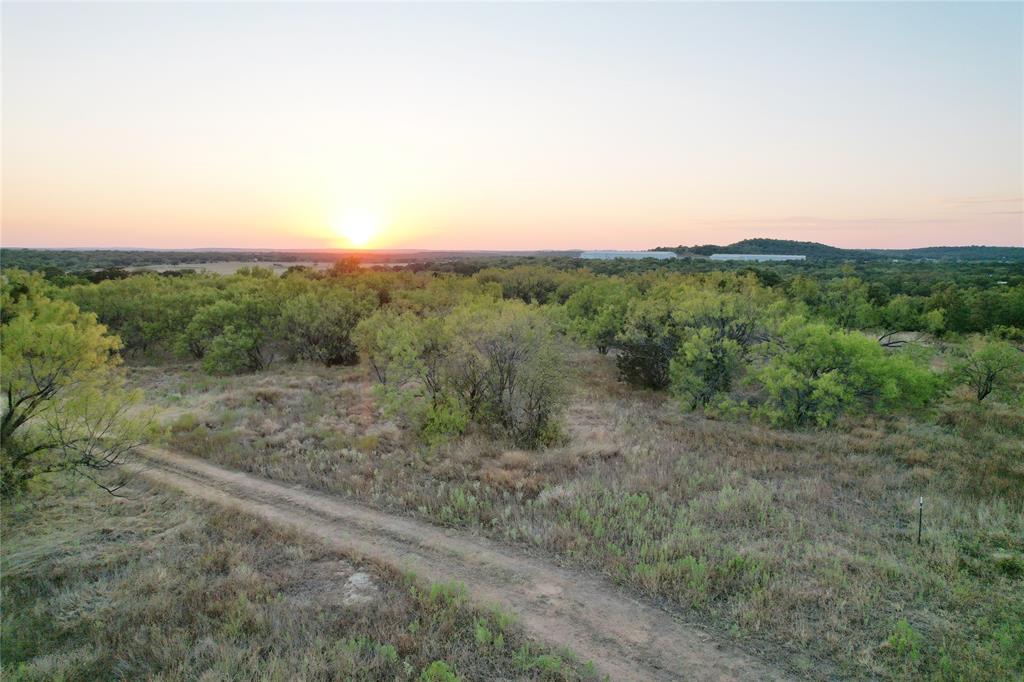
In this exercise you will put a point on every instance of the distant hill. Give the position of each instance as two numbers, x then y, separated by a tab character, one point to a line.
818	251
957	253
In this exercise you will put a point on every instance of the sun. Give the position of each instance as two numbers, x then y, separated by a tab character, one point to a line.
357	227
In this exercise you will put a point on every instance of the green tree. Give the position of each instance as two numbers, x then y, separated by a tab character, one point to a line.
206	324
64	405
717	331
596	311
318	325
695	334
146	311
647	343
386	337
528	283
805	290
902	313
499	367
847	302
955	305
816	373
234	351
248	317
508	370
704	366
995	367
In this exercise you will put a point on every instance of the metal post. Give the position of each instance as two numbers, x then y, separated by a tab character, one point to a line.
920	518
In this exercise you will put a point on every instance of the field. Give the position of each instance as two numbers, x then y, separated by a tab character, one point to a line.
154	585
799	546
741	452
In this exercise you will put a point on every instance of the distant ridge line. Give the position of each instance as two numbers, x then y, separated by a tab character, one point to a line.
819	251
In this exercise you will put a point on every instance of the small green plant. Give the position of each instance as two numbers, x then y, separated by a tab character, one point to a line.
438	671
906	643
442	596
482	633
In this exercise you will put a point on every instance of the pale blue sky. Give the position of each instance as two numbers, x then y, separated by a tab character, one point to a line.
512	126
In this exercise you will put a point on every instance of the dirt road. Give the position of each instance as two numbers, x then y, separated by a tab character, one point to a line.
626	639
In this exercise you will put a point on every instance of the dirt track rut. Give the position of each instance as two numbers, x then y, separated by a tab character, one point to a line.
626	639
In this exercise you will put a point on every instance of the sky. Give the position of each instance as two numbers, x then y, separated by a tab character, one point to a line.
511	126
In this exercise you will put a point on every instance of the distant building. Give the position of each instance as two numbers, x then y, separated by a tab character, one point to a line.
754	256
612	255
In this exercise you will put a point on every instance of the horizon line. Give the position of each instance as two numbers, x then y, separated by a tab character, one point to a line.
262	249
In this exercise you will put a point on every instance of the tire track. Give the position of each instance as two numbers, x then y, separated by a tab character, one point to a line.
625	638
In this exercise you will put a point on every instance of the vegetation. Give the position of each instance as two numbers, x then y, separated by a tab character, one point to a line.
496	365
112	264
771	537
319	325
741	444
832	253
996	366
817	374
64	407
155	586
786	247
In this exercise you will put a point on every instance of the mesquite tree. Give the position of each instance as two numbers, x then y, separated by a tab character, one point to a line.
64	405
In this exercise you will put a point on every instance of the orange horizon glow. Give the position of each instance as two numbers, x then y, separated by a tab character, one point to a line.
511	126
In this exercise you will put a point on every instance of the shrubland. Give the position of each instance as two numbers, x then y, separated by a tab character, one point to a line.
152	585
745	447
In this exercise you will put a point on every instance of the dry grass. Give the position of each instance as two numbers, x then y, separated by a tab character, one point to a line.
161	587
798	545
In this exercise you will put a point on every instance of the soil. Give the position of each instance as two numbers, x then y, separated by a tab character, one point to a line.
625	638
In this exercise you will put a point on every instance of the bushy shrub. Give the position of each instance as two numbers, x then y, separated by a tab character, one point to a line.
386	337
903	313
496	366
239	329
694	337
318	325
647	343
508	370
527	283
816	373
147	311
704	366
233	351
207	322
444	418
847	301
994	367
595	312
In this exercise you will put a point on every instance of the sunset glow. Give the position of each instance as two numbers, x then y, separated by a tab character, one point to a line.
511	126
357	228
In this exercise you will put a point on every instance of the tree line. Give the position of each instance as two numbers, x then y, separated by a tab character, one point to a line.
487	351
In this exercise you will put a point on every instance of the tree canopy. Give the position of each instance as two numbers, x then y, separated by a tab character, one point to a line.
64	405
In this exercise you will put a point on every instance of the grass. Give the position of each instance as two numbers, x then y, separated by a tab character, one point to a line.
800	546
162	587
